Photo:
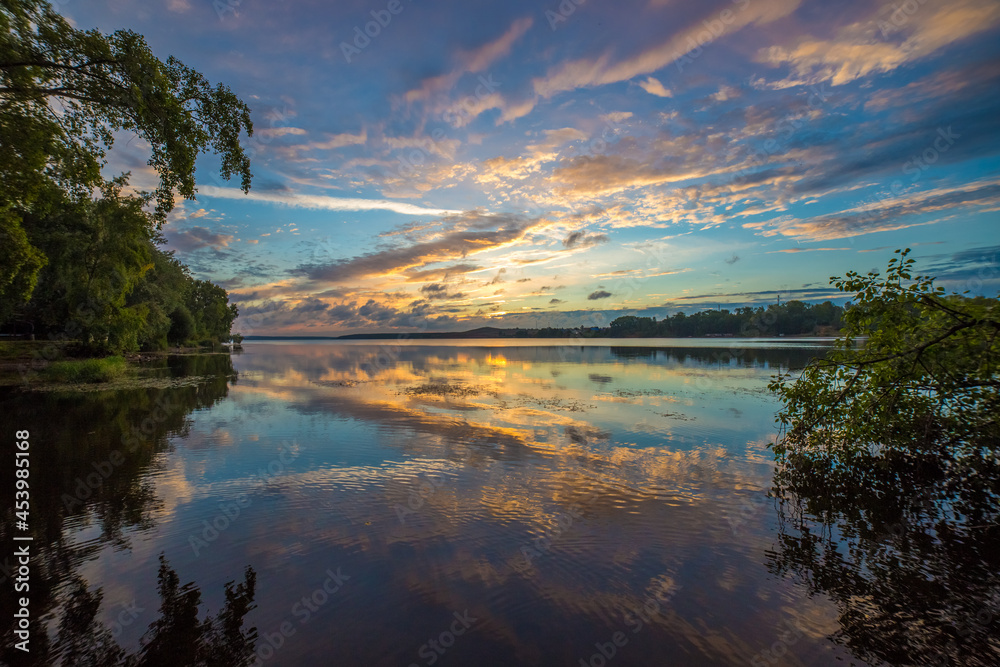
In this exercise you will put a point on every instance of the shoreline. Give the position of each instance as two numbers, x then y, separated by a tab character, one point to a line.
23	365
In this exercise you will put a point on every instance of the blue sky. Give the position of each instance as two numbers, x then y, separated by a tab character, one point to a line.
434	165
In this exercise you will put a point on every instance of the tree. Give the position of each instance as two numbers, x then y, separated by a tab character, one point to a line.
22	262
182	327
99	251
213	314
163	292
64	92
913	374
889	469
110	83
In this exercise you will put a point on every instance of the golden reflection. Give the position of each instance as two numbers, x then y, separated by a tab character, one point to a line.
496	360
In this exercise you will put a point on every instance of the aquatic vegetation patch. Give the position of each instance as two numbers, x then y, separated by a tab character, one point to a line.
676	415
339	383
128	382
554	403
449	389
632	393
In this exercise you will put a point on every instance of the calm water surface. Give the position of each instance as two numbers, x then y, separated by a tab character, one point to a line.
528	504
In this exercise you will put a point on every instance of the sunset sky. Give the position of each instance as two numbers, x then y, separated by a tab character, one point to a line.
544	164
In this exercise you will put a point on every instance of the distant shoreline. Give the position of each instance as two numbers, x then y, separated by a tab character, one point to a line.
451	335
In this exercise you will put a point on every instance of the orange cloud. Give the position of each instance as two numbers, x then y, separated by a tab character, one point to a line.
870	46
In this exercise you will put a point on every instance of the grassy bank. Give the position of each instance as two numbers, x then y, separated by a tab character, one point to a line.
55	366
80	371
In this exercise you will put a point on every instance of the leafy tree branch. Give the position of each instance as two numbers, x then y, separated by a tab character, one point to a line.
913	373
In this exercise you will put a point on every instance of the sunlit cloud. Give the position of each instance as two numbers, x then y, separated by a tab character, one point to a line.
605	69
653	86
870	46
274	132
466	234
888	214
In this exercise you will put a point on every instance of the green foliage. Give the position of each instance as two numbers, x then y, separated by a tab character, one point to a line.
913	374
104	84
22	262
86	370
99	251
163	291
182	326
84	268
213	313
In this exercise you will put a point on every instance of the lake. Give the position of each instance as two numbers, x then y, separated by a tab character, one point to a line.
419	503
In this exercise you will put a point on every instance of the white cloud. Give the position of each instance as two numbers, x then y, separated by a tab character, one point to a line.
279	131
322	202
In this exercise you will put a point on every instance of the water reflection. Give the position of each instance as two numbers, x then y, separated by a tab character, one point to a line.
910	553
177	637
538	498
91	488
550	492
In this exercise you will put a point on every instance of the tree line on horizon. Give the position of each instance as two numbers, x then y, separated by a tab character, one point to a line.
81	252
787	319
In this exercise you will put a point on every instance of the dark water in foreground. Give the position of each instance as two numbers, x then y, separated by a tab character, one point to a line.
440	504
